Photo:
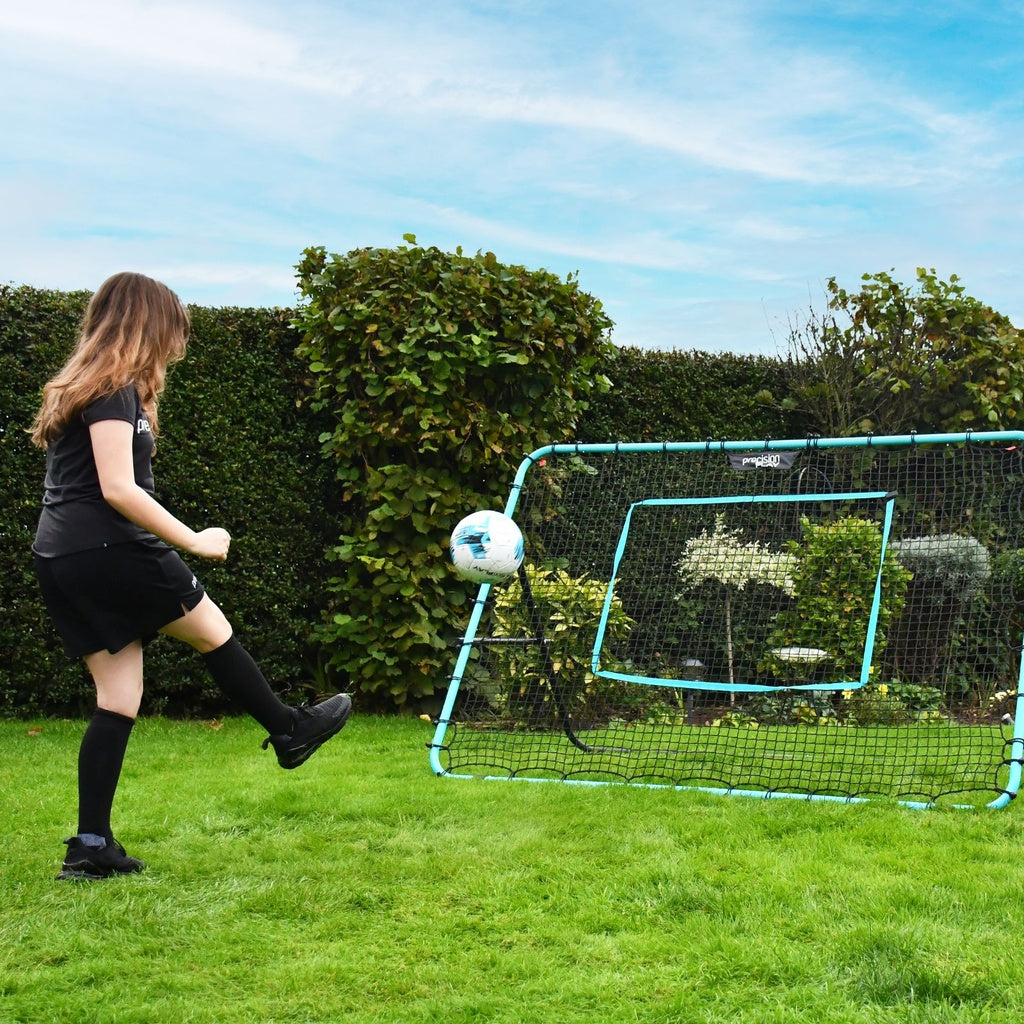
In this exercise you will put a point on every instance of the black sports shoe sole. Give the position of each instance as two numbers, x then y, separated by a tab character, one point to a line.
80	868
82	875
90	873
299	755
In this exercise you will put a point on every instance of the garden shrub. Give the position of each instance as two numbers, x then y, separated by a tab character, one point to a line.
438	371
833	589
1007	610
874	704
957	565
569	608
790	707
948	572
892	358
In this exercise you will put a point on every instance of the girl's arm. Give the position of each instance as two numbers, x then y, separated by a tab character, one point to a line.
112	449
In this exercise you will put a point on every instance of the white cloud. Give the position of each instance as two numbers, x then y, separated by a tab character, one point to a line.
132	36
700	158
751	120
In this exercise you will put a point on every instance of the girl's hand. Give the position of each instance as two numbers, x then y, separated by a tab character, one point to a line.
212	543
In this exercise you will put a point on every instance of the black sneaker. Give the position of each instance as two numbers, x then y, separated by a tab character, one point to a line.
313	727
87	863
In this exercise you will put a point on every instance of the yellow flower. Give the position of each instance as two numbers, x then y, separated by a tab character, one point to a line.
883	688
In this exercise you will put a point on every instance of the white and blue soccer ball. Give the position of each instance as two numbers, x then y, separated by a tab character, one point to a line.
487	547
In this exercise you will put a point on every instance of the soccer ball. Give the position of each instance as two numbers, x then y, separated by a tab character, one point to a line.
486	547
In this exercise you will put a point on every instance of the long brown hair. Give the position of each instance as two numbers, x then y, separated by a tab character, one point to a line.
133	329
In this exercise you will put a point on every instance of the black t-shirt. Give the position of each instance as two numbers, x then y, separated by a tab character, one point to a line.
76	516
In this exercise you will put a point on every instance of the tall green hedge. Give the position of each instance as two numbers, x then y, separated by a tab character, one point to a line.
241	448
236	450
36	328
690	396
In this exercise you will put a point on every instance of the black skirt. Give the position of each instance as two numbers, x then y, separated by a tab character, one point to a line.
104	598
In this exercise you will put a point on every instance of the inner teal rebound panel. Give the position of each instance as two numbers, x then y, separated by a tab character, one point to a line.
740	687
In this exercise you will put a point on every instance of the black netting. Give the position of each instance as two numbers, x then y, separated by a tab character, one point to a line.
732	646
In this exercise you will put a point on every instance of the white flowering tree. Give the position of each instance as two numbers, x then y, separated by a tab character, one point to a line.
724	557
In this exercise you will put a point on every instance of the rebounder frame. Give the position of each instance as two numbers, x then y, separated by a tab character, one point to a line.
1015	743
835	684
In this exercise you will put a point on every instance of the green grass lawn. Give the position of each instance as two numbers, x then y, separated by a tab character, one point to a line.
948	764
359	888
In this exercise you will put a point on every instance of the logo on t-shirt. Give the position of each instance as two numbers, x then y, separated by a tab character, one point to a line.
142	427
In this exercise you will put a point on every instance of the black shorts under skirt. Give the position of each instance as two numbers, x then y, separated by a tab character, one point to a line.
105	598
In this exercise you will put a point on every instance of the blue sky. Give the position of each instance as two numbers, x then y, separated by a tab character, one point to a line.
704	166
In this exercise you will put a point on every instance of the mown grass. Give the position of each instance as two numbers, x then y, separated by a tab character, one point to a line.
947	763
360	888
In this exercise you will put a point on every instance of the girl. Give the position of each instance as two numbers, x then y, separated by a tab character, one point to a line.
106	560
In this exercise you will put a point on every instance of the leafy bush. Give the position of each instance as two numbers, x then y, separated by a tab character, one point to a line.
874	705
439	372
833	588
919	700
891	358
568	609
1008	573
1006	609
809	707
893	703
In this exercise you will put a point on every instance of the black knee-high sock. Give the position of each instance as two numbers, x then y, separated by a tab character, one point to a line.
99	767
240	678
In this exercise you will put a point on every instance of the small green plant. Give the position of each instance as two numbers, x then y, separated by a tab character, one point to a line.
919	700
735	719
1008	573
568	609
875	705
808	707
894	703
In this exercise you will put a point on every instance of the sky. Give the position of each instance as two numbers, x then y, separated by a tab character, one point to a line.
703	167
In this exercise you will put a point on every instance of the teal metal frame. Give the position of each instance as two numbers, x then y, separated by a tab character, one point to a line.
680	684
1015	760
